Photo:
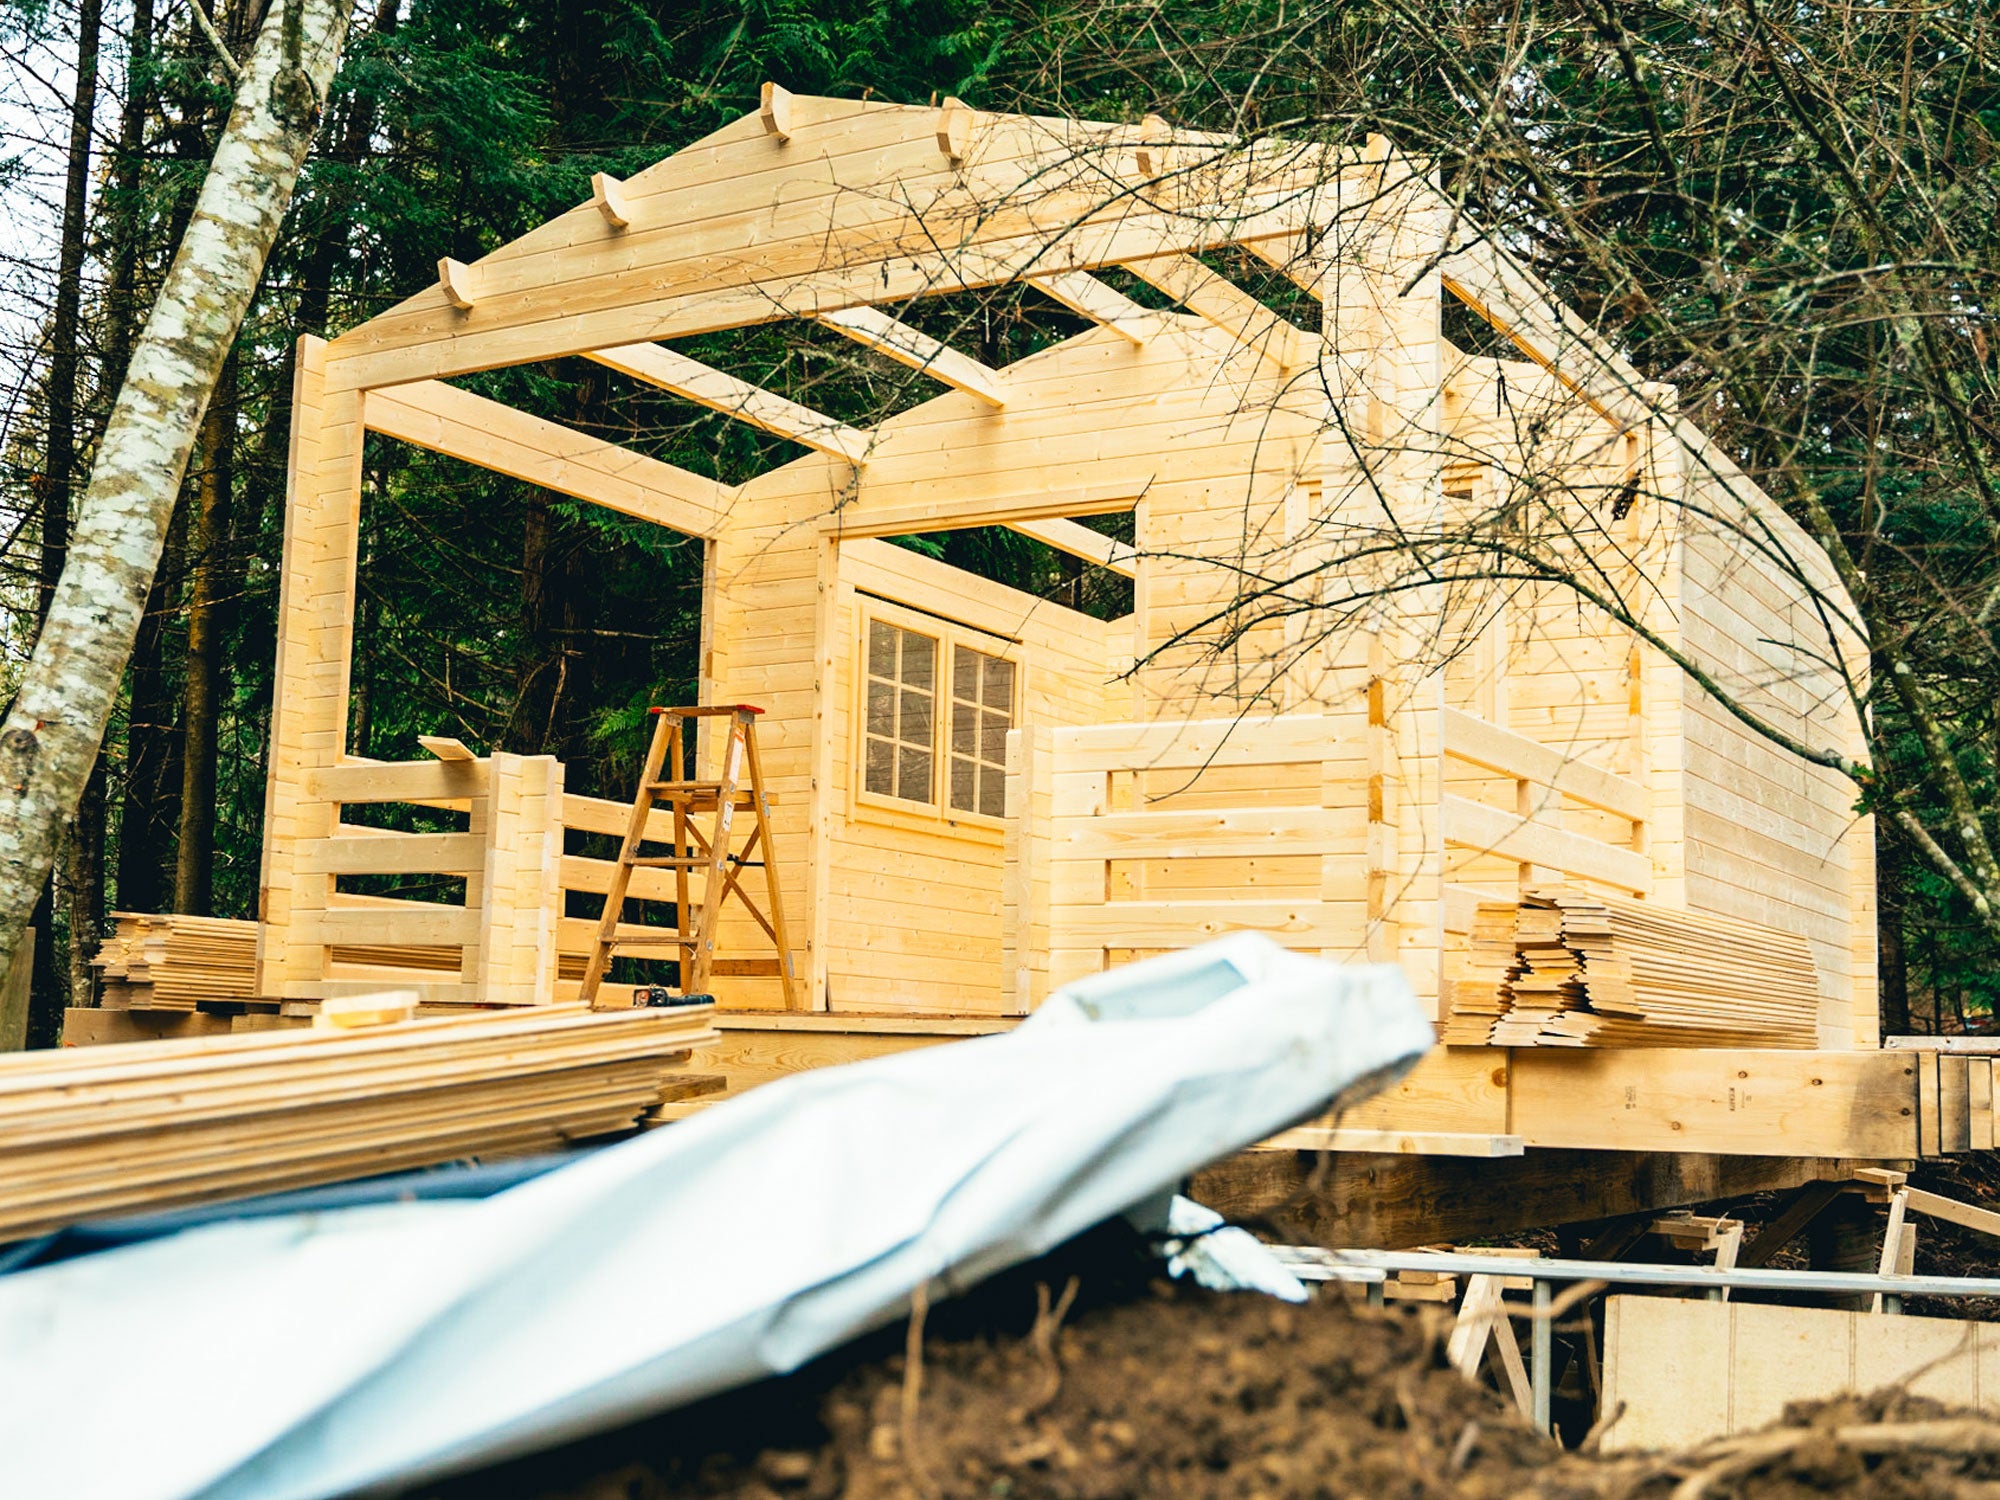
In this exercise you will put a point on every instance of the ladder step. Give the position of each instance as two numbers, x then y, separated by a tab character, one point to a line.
703	801
746	968
667	862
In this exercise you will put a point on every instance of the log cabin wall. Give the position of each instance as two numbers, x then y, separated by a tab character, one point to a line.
1244	445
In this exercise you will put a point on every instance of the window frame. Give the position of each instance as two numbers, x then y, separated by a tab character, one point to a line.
936	815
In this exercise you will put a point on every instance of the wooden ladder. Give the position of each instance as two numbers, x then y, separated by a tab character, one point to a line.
694	850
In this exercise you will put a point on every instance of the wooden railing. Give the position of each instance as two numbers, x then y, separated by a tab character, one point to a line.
502	931
1125	840
510	940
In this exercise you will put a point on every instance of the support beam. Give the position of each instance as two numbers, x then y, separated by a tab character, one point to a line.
954	129
874	329
1545	329
828	233
458	282
1230	308
1032	502
1080	541
719	391
1087	297
461	425
1364	1200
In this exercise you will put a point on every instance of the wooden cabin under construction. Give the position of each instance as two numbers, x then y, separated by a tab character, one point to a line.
977	794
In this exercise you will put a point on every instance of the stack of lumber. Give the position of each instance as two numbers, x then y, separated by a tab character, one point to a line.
173	962
95	1131
1567	969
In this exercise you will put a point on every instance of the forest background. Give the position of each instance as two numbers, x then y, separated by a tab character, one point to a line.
517	619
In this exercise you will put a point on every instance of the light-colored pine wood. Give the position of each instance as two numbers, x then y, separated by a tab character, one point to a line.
464	426
874	329
1080	541
720	391
1386	801
149	1125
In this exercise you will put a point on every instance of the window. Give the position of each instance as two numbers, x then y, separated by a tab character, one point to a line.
902	713
982	711
935	714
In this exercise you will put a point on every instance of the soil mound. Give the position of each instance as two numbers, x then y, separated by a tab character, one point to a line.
1162	1393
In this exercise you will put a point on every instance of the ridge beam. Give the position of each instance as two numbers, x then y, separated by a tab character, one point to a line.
720	391
1080	541
874	329
1087	297
1222	302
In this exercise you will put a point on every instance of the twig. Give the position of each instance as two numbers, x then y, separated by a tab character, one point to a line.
1461	1451
234	68
1594	1439
913	1388
1048	1322
1744	1454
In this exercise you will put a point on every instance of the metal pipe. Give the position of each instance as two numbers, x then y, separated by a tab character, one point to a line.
1311	1263
1541	1343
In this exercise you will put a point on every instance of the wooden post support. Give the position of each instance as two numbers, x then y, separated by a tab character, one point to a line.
1025	900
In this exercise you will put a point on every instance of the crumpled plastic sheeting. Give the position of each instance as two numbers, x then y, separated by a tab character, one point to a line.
379	1347
1198	1242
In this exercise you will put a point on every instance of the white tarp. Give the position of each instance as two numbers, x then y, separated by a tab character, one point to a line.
320	1354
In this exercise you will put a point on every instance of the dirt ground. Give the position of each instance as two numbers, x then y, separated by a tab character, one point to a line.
1146	1391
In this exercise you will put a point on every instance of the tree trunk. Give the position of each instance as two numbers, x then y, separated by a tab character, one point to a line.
209	586
126	218
50	737
83	879
50	990
149	813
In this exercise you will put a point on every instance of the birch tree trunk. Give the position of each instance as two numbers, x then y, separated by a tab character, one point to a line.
51	734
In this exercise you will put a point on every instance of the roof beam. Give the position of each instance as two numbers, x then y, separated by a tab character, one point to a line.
1547	330
874	329
1080	541
1291	254
1087	297
720	391
460	425
1230	308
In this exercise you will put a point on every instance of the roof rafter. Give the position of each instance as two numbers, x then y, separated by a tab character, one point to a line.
1225	304
1547	330
1087	297
875	329
720	391
1080	541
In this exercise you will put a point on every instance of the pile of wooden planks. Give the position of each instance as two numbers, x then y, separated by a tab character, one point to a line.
95	1131
1563	968
173	962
